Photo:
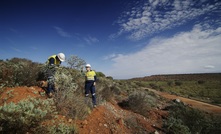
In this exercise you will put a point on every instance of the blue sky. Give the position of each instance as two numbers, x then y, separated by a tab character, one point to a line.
120	38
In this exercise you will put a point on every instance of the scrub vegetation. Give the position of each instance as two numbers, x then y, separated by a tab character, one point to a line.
39	115
203	87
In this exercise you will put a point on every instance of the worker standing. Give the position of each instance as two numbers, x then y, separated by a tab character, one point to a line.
53	62
90	82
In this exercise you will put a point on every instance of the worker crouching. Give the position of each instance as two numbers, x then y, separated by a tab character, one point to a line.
53	63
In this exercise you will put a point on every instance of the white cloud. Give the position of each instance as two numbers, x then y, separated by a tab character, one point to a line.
209	67
111	56
146	19
155	3
61	32
16	49
91	40
196	51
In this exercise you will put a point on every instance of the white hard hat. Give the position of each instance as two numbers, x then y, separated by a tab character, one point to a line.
61	56
88	65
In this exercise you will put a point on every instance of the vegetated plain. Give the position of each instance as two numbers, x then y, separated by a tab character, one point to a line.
204	87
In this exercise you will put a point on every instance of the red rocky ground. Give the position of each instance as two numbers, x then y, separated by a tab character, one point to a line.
104	119
109	117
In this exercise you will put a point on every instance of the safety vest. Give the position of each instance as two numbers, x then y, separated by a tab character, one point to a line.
90	75
56	60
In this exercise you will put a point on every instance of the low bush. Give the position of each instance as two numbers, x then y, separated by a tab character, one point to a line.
170	83
25	115
135	126
186	119
61	128
69	97
201	82
154	86
139	102
178	83
106	94
104	90
176	126
116	90
110	77
100	74
19	72
141	84
71	105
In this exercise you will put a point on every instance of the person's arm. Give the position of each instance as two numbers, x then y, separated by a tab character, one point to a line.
51	67
95	78
51	61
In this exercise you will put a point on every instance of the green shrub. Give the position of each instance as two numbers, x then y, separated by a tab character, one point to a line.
201	82
104	90
106	94
65	79
141	84
178	83
69	97
135	126
183	117
139	102
19	72
110	77
71	105
154	86
170	83
193	118
176	126
216	100
25	115
62	128
162	89
131	84
100	74
115	89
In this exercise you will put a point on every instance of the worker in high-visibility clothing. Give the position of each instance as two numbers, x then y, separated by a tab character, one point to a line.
53	62
90	82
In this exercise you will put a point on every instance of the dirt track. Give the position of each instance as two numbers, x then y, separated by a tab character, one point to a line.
193	103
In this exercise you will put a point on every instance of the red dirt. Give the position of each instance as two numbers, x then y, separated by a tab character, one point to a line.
106	118
109	118
101	120
20	93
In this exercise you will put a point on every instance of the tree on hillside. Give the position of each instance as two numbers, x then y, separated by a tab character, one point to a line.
75	62
100	74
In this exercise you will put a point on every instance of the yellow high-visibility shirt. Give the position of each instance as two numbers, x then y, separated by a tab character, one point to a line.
90	75
56	60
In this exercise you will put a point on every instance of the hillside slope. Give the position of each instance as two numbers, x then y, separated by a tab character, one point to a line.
106	118
109	117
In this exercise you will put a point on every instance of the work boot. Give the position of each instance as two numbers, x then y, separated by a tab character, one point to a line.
50	95
95	106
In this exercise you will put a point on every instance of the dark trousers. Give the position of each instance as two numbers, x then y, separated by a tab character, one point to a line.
50	87
89	87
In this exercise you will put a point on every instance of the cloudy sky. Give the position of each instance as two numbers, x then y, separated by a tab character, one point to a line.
120	38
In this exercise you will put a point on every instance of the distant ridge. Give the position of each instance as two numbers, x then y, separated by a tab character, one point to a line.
185	77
